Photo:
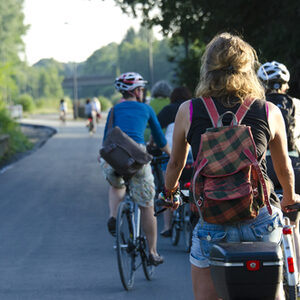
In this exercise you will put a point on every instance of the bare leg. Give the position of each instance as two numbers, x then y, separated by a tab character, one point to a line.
167	219
115	196
149	226
202	284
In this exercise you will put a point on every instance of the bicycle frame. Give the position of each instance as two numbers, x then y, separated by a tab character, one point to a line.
289	253
135	218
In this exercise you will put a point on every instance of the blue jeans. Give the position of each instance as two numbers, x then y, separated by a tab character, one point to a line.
263	228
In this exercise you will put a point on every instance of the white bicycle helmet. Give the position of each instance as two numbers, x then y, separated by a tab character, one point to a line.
273	72
129	81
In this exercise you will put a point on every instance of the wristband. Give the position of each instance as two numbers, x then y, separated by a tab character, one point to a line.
172	191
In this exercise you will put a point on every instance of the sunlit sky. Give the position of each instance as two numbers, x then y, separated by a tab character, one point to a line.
71	30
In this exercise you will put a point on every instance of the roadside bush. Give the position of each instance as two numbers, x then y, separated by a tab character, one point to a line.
18	142
105	103
26	101
159	103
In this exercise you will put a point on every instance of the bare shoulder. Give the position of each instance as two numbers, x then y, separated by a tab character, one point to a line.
276	122
273	108
184	108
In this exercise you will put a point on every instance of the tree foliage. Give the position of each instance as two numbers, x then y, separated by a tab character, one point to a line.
269	26
132	54
12	29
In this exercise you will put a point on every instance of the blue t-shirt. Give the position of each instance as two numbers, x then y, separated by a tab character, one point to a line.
132	117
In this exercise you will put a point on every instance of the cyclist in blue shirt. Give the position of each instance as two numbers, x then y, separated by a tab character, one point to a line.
132	116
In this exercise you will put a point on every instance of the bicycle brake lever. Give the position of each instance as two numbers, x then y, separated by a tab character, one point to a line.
294	207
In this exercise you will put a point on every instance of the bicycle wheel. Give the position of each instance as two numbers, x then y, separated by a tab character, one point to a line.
125	247
187	228
175	227
290	292
91	126
147	268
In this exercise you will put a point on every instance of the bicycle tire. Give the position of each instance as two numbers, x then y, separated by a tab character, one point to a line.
125	247
187	228
290	292
175	227
147	268
91	126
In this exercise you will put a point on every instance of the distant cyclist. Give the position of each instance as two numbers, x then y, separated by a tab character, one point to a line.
96	108
132	116
275	77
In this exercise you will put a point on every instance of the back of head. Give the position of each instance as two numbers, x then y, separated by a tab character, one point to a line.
228	70
128	82
273	75
161	89
180	94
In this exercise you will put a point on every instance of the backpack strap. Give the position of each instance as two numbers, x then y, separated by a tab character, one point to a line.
252	158
211	109
243	109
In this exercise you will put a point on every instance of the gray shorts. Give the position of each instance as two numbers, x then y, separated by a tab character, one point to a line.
141	185
263	228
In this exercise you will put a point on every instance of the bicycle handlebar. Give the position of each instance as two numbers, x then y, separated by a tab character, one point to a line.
294	207
166	204
158	160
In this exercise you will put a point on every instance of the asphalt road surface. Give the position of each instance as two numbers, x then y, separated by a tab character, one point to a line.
53	238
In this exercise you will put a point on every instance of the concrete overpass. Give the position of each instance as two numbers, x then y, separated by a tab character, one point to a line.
83	81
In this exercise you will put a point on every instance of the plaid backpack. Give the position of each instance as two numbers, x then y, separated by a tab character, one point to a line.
227	183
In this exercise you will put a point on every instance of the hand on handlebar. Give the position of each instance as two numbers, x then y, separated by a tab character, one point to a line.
288	205
172	201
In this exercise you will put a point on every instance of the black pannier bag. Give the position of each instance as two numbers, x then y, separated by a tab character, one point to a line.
247	270
121	152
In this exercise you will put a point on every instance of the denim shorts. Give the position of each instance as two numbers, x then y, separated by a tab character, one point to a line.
263	228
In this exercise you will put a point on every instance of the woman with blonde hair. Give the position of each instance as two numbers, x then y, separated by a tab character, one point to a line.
228	76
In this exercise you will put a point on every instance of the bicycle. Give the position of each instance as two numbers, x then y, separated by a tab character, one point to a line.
184	220
90	125
131	243
226	280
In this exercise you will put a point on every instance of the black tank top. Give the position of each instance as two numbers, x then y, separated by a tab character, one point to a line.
256	118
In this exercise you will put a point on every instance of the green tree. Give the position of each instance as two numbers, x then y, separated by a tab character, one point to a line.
12	29
268	26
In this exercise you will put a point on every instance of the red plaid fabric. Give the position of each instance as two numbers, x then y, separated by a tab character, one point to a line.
227	181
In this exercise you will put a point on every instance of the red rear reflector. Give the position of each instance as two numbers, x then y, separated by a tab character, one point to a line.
187	185
291	264
253	265
287	230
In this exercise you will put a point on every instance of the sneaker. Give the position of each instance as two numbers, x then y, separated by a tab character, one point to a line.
155	260
166	233
111	225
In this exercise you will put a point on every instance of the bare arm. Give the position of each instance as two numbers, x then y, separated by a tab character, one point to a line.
180	147
166	149
279	154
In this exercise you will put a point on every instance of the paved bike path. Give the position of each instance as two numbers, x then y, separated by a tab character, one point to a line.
54	242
